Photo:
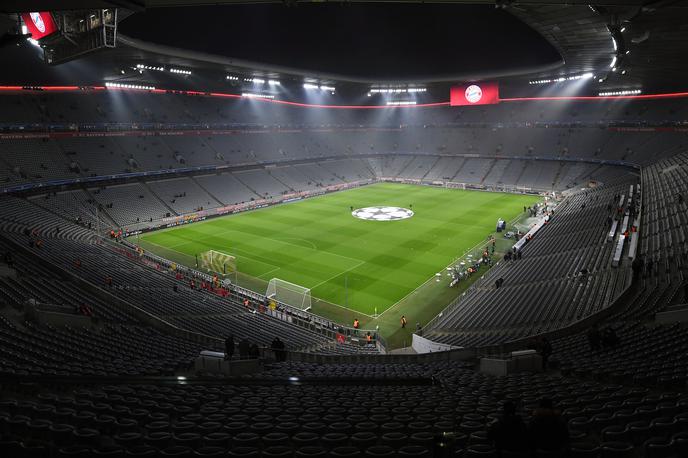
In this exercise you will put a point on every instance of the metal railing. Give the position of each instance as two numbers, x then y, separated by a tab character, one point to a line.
283	312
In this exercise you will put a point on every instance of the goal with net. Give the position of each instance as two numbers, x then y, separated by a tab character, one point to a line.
217	262
290	294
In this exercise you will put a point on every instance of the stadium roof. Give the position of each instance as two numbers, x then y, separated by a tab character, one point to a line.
627	43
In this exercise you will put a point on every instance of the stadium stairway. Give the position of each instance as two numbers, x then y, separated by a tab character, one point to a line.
161	200
218	201
542	292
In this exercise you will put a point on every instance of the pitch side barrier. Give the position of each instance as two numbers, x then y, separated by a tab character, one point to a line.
468	186
284	312
189	218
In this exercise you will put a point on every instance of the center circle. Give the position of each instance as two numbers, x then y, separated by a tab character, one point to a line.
382	213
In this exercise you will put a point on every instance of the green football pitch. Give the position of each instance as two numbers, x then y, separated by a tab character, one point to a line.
365	266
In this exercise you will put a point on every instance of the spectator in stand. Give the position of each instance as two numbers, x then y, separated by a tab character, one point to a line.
594	338
85	310
544	348
609	337
229	347
509	432
253	352
637	266
277	347
9	259
548	430
244	347
583	274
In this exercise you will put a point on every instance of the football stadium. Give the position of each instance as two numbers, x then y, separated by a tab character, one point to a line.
344	229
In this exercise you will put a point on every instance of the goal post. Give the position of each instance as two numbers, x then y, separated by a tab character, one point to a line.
288	293
214	261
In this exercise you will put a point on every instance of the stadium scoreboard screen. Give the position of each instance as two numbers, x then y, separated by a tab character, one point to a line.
481	93
39	24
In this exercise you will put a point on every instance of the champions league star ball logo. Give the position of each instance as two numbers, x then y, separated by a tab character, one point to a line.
382	213
38	21
474	93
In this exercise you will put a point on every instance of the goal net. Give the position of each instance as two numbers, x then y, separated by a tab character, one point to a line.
290	294
217	262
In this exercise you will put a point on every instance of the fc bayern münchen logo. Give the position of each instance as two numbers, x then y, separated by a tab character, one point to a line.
38	21
474	93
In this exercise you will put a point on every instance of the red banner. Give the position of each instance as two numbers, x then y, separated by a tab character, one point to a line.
481	93
39	25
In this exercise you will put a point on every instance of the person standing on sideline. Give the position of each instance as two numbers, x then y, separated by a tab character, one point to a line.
403	321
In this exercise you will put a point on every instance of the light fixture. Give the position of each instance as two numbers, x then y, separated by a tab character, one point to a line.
254	80
561	79
180	71
320	87
25	31
128	86
274	83
396	90
400	103
622	92
232	78
140	67
257	96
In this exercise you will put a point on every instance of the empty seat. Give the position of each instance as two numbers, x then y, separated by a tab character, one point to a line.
277	451
414	450
612	449
379	451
